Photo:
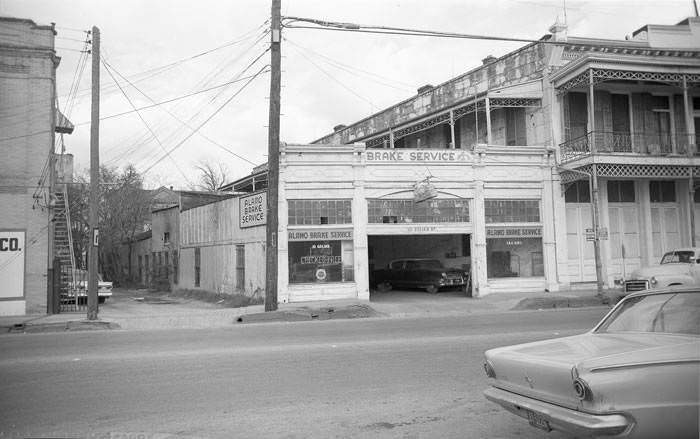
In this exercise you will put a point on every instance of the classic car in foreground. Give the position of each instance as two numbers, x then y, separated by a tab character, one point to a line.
678	267
635	375
424	273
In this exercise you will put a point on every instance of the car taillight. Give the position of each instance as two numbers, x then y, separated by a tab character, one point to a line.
582	390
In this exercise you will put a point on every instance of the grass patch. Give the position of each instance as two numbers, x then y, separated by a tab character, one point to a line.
225	300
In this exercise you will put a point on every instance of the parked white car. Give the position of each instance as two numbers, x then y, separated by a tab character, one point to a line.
78	288
677	267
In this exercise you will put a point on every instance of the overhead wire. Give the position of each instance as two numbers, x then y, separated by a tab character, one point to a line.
124	113
260	71
161	69
180	120
109	71
204	81
337	81
389	82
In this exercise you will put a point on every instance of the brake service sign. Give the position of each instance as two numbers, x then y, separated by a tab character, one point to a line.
11	263
253	210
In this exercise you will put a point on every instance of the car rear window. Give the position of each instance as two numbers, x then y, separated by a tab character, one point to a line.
677	313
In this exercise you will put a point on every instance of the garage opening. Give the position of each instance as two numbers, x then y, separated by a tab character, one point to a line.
419	264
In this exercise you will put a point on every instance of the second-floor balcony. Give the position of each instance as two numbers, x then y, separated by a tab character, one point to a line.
625	143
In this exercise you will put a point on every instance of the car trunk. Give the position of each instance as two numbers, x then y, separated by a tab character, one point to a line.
544	370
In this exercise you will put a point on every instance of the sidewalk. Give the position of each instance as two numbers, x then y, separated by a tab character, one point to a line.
143	310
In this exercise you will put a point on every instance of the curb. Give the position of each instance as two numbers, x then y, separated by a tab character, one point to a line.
70	326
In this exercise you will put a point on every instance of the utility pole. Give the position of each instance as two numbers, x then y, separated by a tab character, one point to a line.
93	248
273	164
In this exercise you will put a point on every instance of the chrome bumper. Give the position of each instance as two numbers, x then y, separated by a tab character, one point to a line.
561	418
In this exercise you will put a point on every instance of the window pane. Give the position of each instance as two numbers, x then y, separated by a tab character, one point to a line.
512	211
407	211
313	212
662	191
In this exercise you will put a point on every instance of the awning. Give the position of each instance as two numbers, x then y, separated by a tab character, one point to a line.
63	125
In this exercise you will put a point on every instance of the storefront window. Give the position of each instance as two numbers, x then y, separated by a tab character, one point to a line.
514	257
408	211
312	212
320	261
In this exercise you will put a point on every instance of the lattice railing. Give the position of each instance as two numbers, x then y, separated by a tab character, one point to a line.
646	144
601	75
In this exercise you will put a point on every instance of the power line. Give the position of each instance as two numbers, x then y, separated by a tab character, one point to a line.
388	30
350	69
112	116
213	99
374	107
181	121
143	120
209	118
161	69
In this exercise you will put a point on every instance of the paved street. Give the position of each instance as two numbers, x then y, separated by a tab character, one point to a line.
378	378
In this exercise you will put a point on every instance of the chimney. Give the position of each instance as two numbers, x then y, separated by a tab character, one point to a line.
558	31
425	88
488	60
339	127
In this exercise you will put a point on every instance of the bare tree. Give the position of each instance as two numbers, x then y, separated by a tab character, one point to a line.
211	177
124	209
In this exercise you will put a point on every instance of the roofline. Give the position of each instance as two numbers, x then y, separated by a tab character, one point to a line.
544	38
30	22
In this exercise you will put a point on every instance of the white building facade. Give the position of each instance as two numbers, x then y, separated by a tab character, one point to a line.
517	155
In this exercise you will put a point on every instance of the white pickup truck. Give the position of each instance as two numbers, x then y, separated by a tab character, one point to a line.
677	267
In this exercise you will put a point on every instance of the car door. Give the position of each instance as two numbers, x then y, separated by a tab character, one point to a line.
408	278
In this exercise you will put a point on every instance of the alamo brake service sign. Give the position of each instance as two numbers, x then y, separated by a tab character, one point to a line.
252	210
11	263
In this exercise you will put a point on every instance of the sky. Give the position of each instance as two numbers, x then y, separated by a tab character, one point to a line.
160	50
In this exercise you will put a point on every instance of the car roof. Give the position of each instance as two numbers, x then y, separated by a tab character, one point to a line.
668	290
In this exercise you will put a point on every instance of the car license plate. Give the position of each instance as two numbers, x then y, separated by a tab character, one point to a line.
537	420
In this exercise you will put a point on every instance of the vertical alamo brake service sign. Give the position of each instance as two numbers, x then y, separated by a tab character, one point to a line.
252	210
11	263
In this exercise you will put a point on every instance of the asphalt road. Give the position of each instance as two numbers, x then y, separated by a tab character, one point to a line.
375	378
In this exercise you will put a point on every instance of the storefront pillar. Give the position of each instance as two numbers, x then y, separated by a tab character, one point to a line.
360	220
282	238
549	248
479	274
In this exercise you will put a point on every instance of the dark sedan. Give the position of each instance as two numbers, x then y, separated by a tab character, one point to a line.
428	274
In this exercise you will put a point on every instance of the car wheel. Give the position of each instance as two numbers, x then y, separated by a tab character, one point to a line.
431	289
384	286
101	299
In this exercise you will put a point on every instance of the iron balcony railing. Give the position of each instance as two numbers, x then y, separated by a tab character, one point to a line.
648	144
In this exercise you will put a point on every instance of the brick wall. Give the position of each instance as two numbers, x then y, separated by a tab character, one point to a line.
27	74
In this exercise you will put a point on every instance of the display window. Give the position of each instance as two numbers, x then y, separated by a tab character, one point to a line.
514	257
321	261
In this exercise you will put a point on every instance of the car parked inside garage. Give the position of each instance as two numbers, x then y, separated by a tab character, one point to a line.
420	273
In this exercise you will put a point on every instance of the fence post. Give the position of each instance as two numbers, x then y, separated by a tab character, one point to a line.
54	302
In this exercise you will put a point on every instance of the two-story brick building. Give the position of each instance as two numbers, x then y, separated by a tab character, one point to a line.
28	123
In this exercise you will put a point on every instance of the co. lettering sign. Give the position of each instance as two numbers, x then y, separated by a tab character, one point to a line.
12	243
253	210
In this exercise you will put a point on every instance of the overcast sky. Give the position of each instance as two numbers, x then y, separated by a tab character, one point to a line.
328	77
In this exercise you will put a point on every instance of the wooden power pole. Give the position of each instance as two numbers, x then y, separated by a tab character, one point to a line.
273	163
93	248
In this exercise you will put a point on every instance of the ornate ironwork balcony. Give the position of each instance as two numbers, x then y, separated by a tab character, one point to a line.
643	143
